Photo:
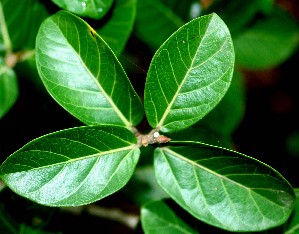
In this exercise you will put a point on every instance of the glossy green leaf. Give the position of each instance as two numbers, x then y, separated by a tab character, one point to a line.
9	89
293	224
223	188
118	28
83	75
23	19
73	167
95	9
157	217
276	35
155	22
189	74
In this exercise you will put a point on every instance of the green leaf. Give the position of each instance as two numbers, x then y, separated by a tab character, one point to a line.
183	9
157	217
25	229
72	167
236	14
276	35
189	74
2	45
9	89
95	9
266	6
293	225
23	19
157	19
225	189
155	22
83	75
118	28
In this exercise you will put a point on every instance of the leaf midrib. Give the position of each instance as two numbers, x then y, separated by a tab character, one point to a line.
218	175
131	147
108	98
95	163
160	124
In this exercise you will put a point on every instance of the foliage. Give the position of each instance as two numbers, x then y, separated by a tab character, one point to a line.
191	83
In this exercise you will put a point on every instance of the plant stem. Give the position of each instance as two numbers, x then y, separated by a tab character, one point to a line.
12	59
5	34
28	54
151	138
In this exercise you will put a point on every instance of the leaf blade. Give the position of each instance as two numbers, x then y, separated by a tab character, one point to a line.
229	191
73	167
154	33
157	217
117	29
26	16
276	34
83	75
9	89
94	9
179	89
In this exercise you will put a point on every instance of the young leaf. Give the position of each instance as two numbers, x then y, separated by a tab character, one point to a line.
95	9
223	188
8	89
73	167
189	74
118	28
83	75
157	217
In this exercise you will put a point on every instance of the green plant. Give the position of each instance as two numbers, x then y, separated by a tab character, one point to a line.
188	77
